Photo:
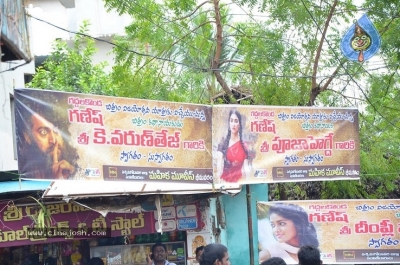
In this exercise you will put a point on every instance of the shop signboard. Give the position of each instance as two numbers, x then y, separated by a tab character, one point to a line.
346	231
90	137
186	211
70	221
182	217
166	213
264	144
187	223
166	225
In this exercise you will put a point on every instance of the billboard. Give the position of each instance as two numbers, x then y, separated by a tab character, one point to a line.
264	144
90	137
345	231
74	136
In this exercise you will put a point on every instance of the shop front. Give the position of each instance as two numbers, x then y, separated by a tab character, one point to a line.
77	233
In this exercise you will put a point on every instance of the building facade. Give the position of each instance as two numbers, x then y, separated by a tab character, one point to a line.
16	63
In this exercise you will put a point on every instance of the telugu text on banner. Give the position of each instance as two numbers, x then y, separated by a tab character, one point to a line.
264	144
346	231
90	137
72	221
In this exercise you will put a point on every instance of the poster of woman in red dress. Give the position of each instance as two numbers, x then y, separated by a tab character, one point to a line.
232	152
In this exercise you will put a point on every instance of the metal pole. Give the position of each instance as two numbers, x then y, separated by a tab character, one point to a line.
250	224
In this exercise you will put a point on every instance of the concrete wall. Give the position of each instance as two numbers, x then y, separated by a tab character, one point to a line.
12	75
237	237
103	24
8	81
43	34
235	234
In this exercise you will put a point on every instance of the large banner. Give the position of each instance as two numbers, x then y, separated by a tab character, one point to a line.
346	231
263	144
89	137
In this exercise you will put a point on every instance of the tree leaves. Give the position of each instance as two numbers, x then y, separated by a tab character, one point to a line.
284	53
72	69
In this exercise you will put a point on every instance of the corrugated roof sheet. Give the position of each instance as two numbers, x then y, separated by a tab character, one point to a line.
23	185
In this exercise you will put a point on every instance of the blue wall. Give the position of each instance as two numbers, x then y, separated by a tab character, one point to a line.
235	236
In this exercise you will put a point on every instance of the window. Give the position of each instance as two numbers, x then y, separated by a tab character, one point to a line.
27	78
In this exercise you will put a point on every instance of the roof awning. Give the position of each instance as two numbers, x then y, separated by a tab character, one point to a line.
23	186
119	196
84	189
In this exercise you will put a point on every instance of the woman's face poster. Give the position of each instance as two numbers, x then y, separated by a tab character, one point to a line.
266	144
345	231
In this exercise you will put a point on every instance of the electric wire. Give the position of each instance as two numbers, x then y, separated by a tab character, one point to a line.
190	32
347	74
15	67
191	66
202	69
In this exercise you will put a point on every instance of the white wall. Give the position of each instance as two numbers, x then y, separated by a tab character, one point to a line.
8	81
103	53
102	24
42	34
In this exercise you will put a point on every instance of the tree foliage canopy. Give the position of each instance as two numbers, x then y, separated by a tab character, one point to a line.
282	53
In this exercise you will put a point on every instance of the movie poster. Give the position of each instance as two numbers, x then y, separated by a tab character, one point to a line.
345	231
265	144
74	136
